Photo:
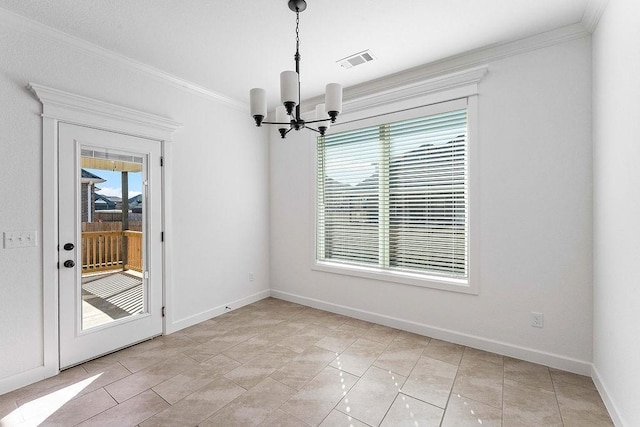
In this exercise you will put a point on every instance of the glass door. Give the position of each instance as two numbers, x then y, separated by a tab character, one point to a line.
110	248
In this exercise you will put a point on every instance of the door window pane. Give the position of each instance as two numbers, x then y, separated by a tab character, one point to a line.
112	210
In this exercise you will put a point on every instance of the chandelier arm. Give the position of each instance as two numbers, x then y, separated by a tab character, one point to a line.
277	123
322	130
314	121
306	122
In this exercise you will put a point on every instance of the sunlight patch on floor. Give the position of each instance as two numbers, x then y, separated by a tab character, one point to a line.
38	410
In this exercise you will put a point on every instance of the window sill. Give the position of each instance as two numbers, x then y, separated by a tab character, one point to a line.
405	278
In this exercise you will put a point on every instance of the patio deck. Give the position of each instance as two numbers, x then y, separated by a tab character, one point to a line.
110	296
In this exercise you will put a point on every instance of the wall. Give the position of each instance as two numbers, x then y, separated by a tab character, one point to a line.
535	221
616	67
219	186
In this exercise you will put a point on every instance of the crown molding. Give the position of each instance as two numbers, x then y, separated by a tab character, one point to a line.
29	26
592	14
459	63
416	75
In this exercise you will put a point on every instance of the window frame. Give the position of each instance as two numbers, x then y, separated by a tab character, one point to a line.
395	113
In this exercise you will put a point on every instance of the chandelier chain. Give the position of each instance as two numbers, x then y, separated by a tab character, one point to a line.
297	31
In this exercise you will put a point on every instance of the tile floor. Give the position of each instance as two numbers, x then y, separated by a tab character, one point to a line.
274	363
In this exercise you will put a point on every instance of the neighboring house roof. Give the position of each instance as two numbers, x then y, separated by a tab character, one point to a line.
87	177
135	202
99	198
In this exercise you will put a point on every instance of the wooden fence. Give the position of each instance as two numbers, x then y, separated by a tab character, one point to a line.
104	250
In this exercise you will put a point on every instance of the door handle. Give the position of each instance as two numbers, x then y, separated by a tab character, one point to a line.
69	263
68	246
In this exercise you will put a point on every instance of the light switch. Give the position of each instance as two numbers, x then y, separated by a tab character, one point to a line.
19	239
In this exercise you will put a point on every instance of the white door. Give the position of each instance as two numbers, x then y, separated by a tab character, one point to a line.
110	250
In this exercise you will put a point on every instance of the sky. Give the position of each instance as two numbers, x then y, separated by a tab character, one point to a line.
113	185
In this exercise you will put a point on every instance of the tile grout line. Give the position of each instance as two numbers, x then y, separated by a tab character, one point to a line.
335	407
555	394
95	415
504	373
453	383
156	413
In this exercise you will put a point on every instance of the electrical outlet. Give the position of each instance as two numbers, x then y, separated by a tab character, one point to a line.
537	320
251	277
19	239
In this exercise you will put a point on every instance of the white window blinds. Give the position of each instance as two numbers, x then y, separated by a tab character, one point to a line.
394	196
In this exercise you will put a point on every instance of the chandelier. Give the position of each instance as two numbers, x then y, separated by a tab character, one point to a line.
288	114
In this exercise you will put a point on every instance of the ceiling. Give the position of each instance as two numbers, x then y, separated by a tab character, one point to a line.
228	47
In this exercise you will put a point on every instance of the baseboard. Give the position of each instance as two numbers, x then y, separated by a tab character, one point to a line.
606	398
216	311
25	378
524	353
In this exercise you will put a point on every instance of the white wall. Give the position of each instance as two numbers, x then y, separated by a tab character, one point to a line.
616	136
535	221
220	186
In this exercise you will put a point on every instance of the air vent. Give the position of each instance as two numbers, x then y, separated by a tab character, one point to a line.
356	59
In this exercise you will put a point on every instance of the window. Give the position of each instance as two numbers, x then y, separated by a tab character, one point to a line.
393	198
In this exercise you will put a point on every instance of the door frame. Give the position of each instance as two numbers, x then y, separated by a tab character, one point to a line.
59	106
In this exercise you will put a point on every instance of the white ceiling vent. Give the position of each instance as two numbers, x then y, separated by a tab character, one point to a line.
356	59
